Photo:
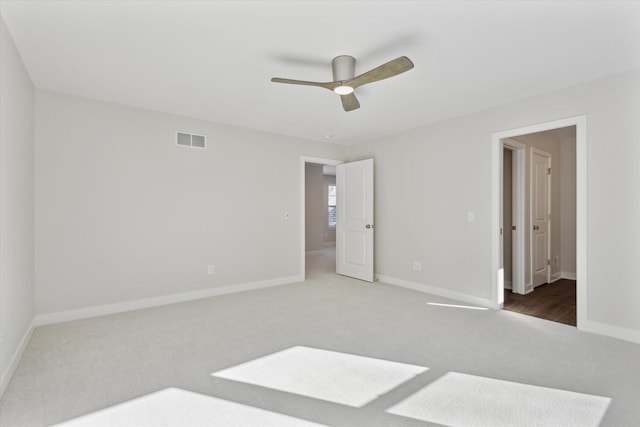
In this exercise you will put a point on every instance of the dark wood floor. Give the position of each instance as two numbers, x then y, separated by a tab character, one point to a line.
552	301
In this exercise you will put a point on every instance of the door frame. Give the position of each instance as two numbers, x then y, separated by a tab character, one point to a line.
519	154
580	122
303	221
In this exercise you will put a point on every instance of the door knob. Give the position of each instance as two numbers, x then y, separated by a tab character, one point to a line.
368	226
535	227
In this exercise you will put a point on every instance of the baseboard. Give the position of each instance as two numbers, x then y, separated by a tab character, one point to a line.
508	284
565	275
101	310
316	252
459	296
15	359
610	331
555	277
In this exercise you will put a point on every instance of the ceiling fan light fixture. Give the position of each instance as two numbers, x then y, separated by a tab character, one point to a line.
345	82
343	90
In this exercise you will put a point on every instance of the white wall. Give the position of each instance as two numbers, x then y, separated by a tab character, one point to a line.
16	206
428	179
124	214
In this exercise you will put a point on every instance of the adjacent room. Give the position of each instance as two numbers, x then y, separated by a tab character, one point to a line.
319	213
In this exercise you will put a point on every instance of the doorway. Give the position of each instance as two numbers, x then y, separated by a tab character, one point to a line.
318	207
352	215
546	249
550	290
563	246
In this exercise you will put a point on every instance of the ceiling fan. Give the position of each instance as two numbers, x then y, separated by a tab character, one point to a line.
344	82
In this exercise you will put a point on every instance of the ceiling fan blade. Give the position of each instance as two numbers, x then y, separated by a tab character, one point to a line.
390	69
350	102
328	85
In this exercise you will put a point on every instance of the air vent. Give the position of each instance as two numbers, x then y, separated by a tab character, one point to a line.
184	139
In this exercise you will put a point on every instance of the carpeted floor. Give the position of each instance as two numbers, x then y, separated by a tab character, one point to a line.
330	351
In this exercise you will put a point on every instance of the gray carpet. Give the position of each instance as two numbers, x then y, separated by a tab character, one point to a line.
331	351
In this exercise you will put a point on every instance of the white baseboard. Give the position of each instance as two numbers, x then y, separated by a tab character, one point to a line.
469	299
508	284
555	277
15	359
565	275
101	310
610	331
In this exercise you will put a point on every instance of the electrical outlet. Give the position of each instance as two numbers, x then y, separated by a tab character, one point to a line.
211	269
417	265
556	261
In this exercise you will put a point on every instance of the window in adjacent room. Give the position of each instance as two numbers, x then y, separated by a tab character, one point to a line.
332	205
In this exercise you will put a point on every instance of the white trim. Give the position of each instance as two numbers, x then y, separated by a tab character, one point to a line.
15	359
519	159
101	310
555	277
446	293
565	275
316	252
580	122
581	219
508	284
610	331
303	221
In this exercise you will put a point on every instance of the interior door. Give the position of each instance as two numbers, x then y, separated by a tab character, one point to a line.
540	212
354	227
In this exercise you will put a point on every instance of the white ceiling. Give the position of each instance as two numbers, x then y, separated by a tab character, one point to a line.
214	59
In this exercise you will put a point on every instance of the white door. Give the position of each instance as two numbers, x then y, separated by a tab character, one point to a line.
540	212
354	228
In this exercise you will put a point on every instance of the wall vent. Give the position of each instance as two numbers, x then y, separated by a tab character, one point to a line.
185	139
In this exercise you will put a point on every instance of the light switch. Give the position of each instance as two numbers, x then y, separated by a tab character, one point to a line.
471	216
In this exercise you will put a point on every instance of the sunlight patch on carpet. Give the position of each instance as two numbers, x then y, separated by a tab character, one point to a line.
321	374
466	400
177	407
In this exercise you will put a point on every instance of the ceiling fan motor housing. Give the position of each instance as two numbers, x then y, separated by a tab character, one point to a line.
344	67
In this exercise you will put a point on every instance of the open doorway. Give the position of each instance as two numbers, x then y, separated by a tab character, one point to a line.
320	219
574	206
548	198
318	250
351	210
